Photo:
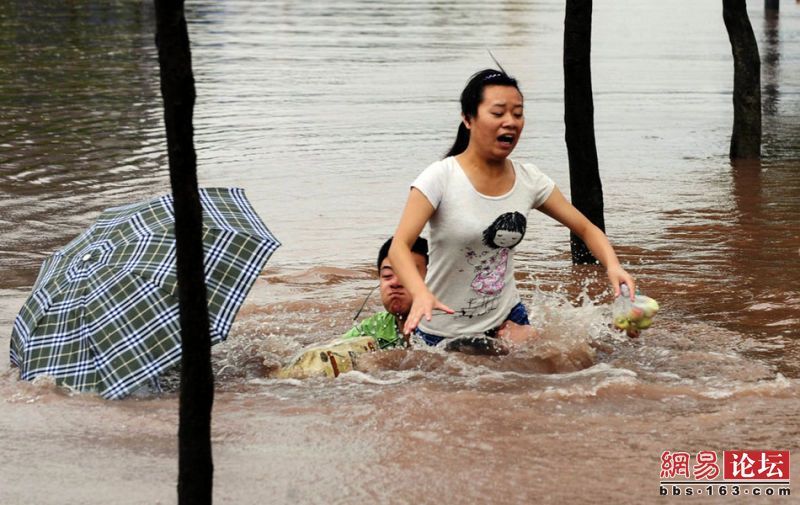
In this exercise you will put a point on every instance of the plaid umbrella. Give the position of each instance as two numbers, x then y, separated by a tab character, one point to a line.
103	313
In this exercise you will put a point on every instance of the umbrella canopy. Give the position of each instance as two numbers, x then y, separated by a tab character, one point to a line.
103	313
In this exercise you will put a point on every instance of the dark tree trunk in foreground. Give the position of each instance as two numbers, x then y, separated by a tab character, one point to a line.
584	176
195	467
771	5
746	138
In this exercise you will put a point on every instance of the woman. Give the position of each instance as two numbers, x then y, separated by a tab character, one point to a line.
477	200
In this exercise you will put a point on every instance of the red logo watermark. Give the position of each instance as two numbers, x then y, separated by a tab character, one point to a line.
755	465
743	472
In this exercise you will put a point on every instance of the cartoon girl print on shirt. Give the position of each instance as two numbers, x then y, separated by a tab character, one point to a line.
490	266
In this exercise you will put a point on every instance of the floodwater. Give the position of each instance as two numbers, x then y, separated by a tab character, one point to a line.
324	112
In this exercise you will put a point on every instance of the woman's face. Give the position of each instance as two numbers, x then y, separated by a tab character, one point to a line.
495	130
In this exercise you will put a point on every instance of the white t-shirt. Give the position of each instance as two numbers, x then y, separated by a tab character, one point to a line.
472	239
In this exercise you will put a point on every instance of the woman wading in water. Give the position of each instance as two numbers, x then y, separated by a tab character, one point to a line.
477	202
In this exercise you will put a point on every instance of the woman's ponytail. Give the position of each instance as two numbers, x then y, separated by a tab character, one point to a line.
461	142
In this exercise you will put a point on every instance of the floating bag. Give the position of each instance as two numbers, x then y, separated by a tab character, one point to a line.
331	359
633	316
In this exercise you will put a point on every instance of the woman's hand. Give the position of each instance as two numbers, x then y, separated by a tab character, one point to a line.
617	275
423	306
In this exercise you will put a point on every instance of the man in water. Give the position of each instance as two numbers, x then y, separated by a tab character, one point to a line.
386	327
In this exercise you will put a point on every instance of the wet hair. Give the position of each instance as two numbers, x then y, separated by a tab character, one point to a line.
420	247
510	221
472	96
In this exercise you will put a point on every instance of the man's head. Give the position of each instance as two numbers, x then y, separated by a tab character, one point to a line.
396	299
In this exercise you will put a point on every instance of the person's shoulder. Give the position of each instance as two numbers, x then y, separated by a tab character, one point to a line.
381	317
434	180
379	320
528	169
536	182
442	166
531	174
371	325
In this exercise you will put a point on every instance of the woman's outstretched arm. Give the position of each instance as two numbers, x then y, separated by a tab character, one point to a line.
557	207
417	212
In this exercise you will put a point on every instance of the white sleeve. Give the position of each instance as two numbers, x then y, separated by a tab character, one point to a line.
431	183
541	186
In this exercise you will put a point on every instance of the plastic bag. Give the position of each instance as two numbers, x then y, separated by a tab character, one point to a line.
633	316
331	359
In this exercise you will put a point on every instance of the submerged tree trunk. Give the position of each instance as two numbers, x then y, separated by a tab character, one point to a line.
195	466
584	176
746	137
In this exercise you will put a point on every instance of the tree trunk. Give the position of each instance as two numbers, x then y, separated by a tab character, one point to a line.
195	466
585	185
746	137
771	5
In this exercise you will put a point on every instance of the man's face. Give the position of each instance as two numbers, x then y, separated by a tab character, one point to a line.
394	296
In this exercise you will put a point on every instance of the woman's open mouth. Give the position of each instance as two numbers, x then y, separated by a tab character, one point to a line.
506	139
